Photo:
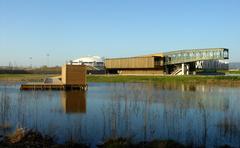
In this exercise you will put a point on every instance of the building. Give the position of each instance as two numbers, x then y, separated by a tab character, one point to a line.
142	65
213	65
93	61
73	78
179	62
74	75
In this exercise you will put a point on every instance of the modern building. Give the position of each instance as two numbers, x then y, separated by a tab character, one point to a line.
213	65
93	61
180	62
142	65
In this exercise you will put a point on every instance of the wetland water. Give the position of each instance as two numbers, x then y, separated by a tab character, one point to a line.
190	114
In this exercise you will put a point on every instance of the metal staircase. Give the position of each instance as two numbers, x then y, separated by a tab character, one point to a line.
177	72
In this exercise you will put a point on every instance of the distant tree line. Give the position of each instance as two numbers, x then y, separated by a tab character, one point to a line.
22	70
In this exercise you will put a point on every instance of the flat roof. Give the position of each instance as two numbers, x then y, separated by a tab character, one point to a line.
170	52
143	56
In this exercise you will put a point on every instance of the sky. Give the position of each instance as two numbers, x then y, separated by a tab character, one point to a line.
51	32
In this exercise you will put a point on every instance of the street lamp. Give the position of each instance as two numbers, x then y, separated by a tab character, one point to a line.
47	59
30	59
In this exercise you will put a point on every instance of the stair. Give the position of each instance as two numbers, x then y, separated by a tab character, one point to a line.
177	72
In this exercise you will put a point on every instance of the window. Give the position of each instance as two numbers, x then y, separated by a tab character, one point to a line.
225	54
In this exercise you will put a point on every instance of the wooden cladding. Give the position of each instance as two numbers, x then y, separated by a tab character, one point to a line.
141	72
132	63
74	74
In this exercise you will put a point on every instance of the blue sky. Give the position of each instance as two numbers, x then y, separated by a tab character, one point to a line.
68	29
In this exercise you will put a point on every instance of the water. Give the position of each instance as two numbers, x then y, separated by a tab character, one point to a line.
190	114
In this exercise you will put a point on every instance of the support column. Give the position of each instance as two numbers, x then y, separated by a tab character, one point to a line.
183	69
187	69
167	70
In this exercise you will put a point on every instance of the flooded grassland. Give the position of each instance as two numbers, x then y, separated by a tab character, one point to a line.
191	114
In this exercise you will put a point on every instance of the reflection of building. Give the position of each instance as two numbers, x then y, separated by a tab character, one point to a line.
73	101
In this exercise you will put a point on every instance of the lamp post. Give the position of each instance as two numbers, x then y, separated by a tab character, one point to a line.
30	59
47	59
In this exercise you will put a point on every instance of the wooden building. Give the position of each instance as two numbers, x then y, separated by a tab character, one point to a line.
141	65
73	78
74	74
179	62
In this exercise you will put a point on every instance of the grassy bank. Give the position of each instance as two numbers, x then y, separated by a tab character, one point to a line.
117	78
23	77
181	79
233	72
28	70
36	139
230	71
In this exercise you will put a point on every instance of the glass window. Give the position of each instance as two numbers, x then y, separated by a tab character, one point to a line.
225	54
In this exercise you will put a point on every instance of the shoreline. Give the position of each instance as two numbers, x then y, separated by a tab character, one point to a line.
196	79
14	78
23	78
34	138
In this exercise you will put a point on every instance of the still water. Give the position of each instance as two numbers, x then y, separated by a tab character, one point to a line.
190	114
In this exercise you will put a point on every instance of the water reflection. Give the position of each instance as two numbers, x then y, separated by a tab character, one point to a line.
73	101
190	114
197	115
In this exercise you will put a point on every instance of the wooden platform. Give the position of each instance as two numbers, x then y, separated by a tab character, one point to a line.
43	86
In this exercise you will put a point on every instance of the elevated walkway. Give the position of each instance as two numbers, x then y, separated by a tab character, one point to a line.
194	55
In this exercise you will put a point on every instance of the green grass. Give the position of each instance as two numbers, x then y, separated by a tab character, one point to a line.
118	78
185	79
22	77
230	72
234	72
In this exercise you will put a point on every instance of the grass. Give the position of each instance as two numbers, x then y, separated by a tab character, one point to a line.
234	72
230	72
22	77
118	78
183	79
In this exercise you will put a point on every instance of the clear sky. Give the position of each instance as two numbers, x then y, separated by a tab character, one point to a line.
68	29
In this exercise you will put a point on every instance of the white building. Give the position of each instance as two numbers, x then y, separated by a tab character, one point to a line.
94	61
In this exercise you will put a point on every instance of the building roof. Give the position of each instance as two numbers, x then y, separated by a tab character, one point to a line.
89	59
142	56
